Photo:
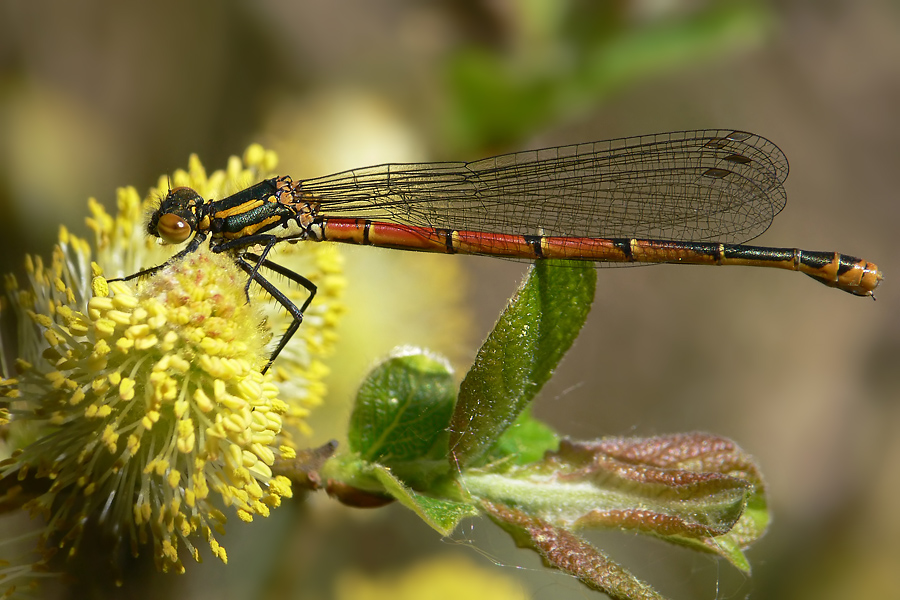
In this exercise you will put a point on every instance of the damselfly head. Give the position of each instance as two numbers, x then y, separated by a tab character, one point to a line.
176	218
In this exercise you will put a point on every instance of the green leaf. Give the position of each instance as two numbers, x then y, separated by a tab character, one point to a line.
402	411
357	480
442	515
749	528
525	441
520	354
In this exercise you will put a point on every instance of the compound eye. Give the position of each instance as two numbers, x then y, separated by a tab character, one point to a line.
173	229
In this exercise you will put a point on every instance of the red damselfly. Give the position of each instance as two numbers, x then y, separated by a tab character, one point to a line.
691	197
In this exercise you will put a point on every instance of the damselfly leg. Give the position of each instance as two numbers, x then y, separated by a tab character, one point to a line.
251	267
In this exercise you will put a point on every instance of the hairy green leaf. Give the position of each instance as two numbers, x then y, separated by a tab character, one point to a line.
520	354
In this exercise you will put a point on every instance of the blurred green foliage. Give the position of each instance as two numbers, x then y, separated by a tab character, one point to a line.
563	57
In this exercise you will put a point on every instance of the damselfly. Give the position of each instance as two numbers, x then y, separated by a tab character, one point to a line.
690	197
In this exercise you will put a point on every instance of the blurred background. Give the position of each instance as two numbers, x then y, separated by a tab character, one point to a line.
99	94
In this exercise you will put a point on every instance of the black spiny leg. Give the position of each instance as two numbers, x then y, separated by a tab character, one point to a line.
300	280
191	247
297	313
260	239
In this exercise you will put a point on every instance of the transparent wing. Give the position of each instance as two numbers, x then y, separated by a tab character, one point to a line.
722	185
